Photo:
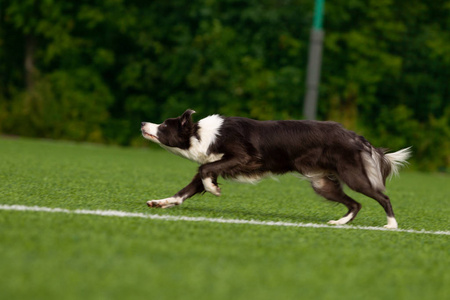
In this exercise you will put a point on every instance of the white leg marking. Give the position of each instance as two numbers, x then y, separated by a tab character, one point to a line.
318	182
342	221
210	186
392	223
165	203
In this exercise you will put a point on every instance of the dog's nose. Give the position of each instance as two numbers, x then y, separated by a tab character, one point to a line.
142	124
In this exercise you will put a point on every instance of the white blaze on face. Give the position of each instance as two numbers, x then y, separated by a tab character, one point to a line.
150	132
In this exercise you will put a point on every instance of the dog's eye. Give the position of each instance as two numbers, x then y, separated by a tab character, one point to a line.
163	125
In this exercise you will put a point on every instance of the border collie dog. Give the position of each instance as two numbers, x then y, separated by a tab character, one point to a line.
247	150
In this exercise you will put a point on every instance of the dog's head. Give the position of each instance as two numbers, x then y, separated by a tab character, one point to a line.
174	132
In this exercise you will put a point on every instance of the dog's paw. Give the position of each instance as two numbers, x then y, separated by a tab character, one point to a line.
164	203
392	223
215	191
155	203
211	187
335	222
391	226
343	220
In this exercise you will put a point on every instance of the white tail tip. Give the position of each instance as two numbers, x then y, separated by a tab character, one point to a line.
398	159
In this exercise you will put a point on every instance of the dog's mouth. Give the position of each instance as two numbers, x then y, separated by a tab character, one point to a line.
150	136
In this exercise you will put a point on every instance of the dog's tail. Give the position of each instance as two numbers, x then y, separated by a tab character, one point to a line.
379	165
398	159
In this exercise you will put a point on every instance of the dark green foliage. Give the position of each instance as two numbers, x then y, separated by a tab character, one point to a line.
63	105
93	70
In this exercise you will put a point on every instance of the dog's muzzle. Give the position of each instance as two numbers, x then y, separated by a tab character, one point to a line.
145	132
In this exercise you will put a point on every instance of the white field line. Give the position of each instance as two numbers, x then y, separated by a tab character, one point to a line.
115	213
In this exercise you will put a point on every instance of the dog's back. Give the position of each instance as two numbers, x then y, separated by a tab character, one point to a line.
285	146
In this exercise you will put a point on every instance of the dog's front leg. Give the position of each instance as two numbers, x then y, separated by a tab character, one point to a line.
210	185
211	171
195	187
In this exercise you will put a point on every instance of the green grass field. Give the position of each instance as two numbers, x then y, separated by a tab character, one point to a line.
68	256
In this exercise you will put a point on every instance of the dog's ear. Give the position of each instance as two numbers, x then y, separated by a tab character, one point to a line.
186	117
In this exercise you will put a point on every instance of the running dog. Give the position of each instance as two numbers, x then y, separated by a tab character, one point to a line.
247	150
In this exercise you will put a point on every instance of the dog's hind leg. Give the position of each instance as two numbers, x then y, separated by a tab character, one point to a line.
331	189
195	187
359	182
384	201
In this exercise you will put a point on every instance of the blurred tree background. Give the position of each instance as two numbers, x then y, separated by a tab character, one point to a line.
92	70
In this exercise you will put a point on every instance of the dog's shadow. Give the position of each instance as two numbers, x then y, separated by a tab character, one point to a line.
251	215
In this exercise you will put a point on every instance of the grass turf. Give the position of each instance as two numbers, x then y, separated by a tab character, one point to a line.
60	256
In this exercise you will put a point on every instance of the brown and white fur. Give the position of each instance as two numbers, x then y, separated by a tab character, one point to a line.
247	150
